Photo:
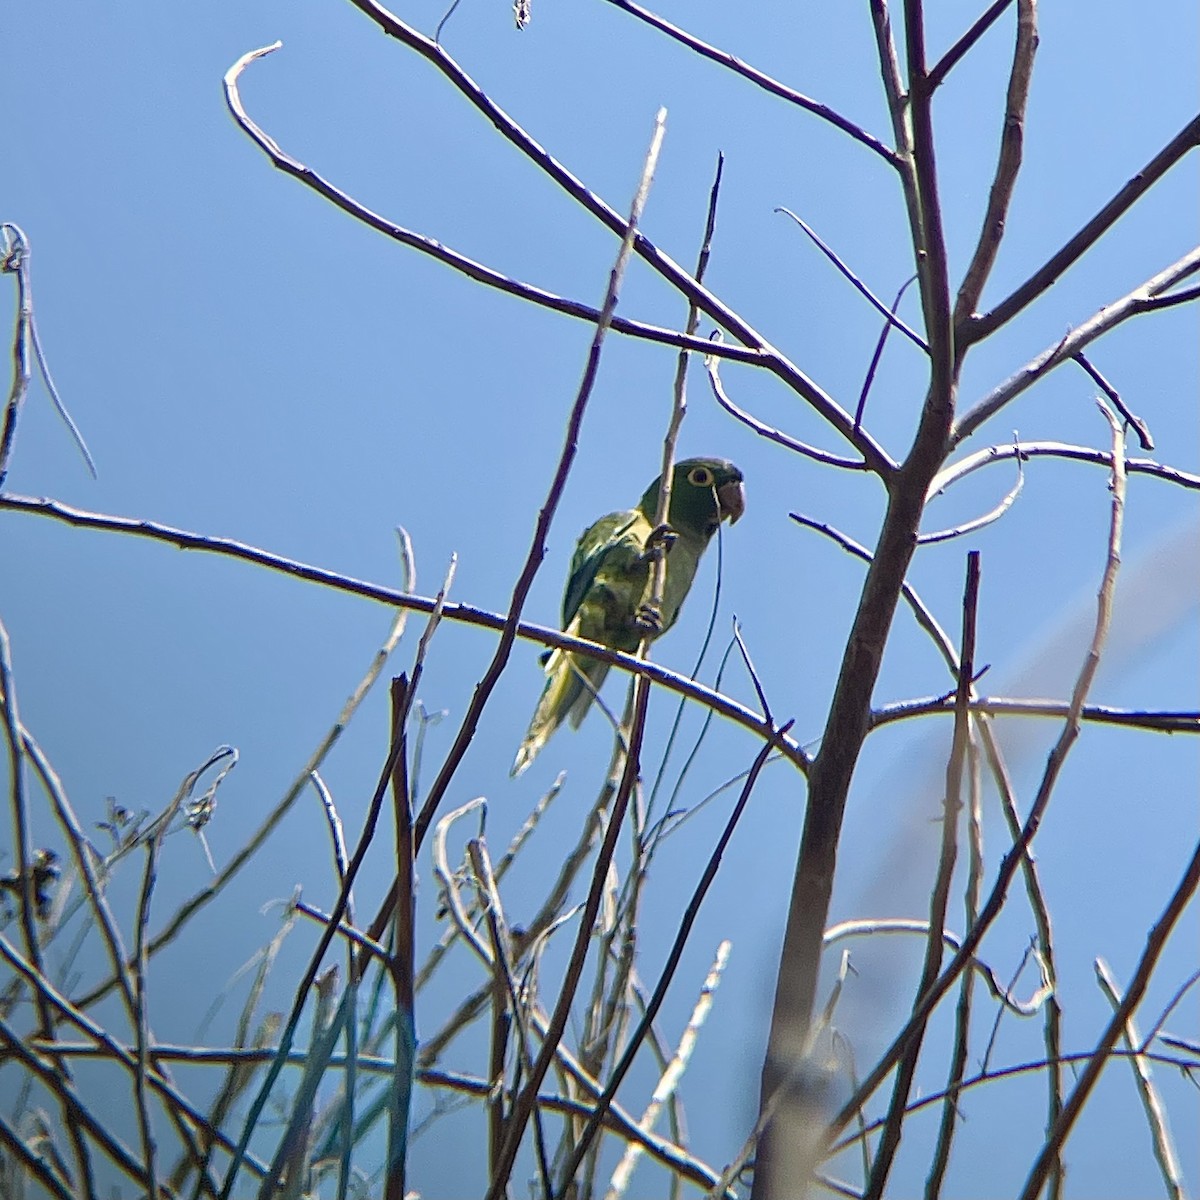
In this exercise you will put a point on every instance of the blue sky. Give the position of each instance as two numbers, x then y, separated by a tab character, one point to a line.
246	361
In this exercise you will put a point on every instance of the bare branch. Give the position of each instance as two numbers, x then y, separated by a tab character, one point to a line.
1054	764
906	1067
1140	300
1156	939
1139	426
621	1069
669	1081
774	435
1008	166
975	327
989	1076
663	264
1156	1115
1026	450
14	259
1165	721
875	927
735	64
1171	299
877	353
954	55
981	522
1044	951
553	639
888	314
472	269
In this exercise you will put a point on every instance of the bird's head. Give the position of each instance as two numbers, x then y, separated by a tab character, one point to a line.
704	491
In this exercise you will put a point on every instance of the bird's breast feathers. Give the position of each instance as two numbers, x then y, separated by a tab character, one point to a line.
609	575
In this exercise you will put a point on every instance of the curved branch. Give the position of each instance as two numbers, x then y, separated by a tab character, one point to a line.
1025	450
770	432
471	268
1141	299
981	522
451	611
871	927
675	275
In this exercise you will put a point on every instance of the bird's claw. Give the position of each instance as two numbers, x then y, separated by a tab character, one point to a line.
649	618
663	537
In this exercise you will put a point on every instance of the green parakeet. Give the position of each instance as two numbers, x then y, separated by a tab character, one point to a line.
607	584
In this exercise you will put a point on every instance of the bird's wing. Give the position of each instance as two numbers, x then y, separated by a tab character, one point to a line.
614	541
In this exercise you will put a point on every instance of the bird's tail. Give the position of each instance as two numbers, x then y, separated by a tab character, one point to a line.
573	682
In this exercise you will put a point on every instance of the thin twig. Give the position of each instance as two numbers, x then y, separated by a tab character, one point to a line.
988	1077
1139	426
1156	1113
888	314
774	87
774	435
14	259
1172	299
107	1045
24	856
141	970
963	1012
877	353
940	893
526	1099
401	961
1054	765
40	1165
749	665
669	1080
980	522
769	356
75	1110
308	978
954	55
1000	991
621	1068
1051	1151
1045	952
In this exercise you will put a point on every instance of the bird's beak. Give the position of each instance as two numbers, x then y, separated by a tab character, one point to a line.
731	500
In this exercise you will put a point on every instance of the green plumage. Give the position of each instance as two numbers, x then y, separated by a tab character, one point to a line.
609	575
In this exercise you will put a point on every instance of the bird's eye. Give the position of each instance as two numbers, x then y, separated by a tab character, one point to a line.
700	476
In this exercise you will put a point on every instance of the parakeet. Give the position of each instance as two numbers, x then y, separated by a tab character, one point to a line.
607	584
